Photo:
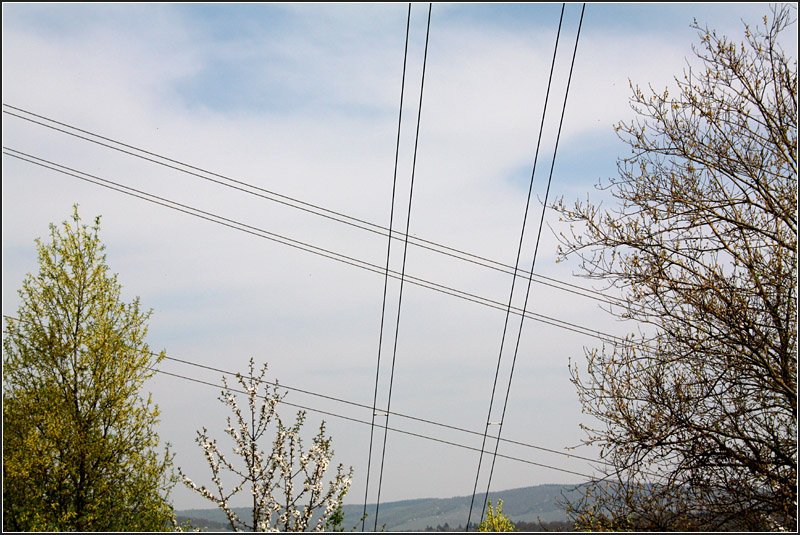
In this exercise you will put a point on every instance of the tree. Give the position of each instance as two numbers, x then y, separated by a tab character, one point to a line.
287	485
79	442
495	519
697	414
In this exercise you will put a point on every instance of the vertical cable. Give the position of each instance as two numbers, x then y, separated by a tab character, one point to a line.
403	270
386	276
516	268
533	263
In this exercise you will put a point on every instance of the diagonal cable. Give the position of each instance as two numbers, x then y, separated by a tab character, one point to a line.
320	251
351	403
403	268
386	277
357	420
298	204
516	267
533	262
341	416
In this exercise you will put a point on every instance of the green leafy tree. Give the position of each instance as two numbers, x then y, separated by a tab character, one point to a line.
495	519
697	415
79	441
287	485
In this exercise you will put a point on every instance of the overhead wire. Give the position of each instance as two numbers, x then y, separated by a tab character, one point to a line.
403	268
320	251
533	261
393	429
291	202
386	277
396	430
402	277
361	405
516	266
360	421
393	413
356	404
225	222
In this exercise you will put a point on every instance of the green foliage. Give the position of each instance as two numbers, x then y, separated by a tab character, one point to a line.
79	442
495	519
335	521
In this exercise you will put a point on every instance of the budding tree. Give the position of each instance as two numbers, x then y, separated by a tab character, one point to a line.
80	448
287	485
698	417
495	520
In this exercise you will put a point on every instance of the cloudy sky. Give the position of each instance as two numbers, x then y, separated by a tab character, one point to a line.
302	101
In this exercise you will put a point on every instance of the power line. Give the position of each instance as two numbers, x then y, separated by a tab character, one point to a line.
361	405
366	422
356	404
256	231
344	417
202	214
386	277
356	420
309	207
403	268
393	413
516	265
533	262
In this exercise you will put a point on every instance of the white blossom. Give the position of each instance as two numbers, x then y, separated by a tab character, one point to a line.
265	475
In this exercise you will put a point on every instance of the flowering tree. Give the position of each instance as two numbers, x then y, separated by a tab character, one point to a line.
287	485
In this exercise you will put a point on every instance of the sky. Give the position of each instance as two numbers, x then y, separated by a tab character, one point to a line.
302	100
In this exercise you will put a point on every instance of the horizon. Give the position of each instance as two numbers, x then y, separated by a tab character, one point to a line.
467	495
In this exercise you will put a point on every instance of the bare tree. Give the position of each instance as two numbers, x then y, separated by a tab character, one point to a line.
287	485
697	413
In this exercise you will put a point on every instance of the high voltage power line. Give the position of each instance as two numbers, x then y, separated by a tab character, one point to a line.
533	263
291	202
393	429
386	282
366	422
388	232
364	406
256	231
316	250
403	269
516	267
393	413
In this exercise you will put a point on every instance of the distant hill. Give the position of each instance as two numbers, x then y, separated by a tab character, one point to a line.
528	504
203	524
